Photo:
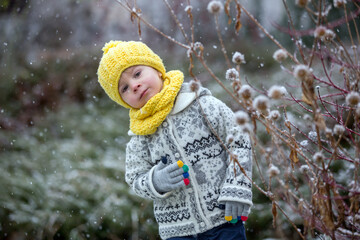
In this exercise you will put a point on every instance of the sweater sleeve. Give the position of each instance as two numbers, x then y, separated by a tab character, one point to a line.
139	169
236	186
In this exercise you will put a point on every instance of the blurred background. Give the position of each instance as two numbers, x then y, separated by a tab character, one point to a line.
62	140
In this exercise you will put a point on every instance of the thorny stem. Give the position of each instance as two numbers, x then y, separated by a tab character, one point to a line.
316	39
327	75
295	35
191	24
223	49
252	18
350	34
150	25
202	61
311	13
177	21
291	222
259	169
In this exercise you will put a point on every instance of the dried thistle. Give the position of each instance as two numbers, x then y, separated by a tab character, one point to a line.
280	55
238	58
261	103
304	169
194	86
329	35
273	171
302	72
232	75
301	3
320	32
214	7
339	3
241	117
318	157
230	139
339	129
245	92
277	92
352	99
274	115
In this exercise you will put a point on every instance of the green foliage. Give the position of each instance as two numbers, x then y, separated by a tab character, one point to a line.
64	178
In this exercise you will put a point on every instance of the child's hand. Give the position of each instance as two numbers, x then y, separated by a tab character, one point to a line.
170	177
235	211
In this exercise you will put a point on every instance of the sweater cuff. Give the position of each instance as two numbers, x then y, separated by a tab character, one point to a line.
235	194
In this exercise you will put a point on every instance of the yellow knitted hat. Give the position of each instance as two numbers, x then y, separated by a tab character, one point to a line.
117	57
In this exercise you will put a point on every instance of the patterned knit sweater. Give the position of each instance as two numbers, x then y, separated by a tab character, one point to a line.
185	135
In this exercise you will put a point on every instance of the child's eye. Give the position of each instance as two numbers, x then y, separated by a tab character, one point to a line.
137	74
124	89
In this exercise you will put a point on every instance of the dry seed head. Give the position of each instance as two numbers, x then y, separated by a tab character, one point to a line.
230	138
273	171
320	32
313	136
215	7
274	115
194	86
301	3
318	157
353	99
302	72
241	117
198	45
238	58
328	132
304	143
280	55
245	92
232	75
188	9
338	129
339	3
261	103
304	169
277	92
329	35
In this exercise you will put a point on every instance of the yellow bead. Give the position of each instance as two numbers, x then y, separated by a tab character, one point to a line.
228	218
180	163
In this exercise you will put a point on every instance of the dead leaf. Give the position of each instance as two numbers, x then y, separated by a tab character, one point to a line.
227	10
274	213
293	156
238	24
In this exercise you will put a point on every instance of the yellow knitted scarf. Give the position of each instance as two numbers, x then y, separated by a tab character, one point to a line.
146	120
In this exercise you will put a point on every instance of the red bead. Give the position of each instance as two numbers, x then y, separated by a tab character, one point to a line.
186	181
244	218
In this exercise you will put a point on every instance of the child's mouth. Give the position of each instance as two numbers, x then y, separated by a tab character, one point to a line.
143	93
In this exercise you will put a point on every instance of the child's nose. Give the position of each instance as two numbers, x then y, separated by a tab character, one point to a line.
136	87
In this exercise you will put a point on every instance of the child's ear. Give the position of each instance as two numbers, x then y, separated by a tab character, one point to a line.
160	74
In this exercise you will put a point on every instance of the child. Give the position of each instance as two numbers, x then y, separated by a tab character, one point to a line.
174	156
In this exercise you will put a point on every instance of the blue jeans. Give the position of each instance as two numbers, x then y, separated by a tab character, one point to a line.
227	231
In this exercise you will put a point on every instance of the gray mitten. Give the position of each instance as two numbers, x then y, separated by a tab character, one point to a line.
169	177
235	211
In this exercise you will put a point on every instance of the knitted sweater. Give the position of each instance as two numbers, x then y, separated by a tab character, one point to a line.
185	135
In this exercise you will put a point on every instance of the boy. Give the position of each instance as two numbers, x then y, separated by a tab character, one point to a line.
174	156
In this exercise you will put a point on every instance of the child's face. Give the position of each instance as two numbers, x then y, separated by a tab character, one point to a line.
138	84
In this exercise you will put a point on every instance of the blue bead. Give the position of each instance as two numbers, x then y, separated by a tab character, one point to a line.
186	175
164	159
